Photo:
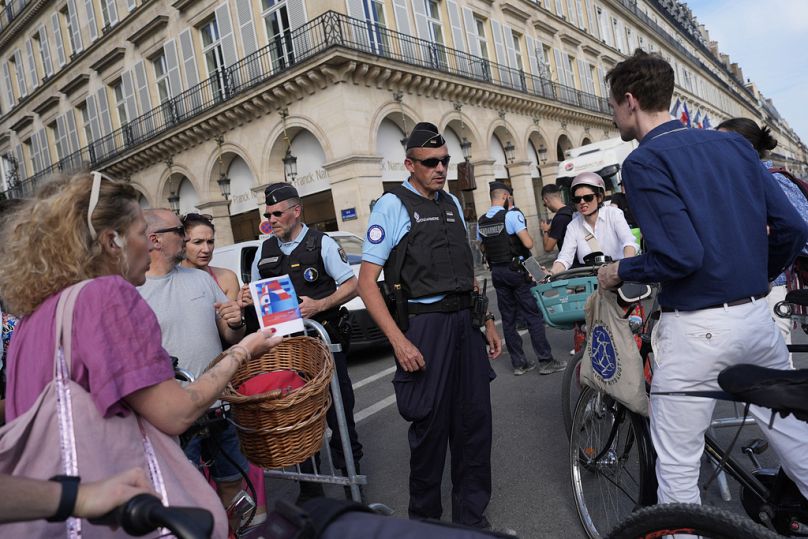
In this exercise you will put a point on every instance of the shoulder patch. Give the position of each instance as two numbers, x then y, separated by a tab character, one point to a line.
521	217
375	234
342	255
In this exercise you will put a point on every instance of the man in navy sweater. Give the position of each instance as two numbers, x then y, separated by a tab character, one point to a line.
718	228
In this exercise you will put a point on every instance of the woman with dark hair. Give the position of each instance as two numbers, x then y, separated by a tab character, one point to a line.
594	227
199	252
91	228
763	142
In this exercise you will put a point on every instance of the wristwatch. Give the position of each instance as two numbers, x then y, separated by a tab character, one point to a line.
67	500
241	325
489	316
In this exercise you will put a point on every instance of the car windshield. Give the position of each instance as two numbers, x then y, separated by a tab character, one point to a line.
352	247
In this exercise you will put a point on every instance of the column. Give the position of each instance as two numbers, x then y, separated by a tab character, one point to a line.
522	183
220	211
356	182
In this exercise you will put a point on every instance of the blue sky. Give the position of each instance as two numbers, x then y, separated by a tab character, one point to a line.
768	39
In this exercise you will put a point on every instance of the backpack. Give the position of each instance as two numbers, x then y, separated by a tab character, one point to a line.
798	273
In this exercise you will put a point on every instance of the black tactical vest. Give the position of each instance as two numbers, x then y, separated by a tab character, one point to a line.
304	266
500	247
438	257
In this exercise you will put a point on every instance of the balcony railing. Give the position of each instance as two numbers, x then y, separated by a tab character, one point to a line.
326	31
11	11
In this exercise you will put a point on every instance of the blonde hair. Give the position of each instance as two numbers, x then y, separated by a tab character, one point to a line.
48	247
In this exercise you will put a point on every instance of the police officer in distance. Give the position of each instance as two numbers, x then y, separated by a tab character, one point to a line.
324	281
505	242
418	236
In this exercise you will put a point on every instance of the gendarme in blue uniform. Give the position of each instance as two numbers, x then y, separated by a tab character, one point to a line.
449	401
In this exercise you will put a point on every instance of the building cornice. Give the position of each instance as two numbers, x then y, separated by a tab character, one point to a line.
12	31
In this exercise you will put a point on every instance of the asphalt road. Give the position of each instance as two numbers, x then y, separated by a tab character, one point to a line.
531	486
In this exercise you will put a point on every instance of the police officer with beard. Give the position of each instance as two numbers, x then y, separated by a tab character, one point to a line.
324	281
506	242
418	236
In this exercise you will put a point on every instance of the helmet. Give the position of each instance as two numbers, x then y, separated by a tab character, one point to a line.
588	178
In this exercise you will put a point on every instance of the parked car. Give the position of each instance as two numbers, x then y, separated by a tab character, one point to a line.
364	331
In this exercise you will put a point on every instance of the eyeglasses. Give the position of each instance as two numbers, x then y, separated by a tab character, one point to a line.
197	217
586	198
279	213
178	229
432	162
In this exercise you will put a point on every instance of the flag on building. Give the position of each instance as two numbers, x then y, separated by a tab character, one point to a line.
705	123
697	120
675	110
685	116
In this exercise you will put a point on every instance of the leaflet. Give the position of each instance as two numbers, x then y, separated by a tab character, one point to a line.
276	304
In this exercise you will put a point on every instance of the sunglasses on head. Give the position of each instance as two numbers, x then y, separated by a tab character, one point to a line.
432	162
279	213
586	198
197	217
178	229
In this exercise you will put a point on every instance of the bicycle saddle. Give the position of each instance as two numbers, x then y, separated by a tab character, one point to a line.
798	297
783	391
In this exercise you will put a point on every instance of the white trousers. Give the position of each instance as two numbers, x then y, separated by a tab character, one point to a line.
775	296
690	349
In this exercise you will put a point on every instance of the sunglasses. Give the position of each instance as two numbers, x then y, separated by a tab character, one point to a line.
197	217
178	229
432	162
279	213
584	198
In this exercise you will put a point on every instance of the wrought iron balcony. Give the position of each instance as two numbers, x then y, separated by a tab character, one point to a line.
330	30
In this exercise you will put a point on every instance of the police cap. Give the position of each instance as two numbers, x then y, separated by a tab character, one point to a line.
278	192
494	186
425	135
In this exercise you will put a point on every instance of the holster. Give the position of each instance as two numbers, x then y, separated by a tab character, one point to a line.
396	301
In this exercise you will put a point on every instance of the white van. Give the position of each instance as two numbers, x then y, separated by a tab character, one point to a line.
605	158
364	331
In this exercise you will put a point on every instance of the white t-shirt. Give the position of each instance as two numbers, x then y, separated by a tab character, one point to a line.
611	231
183	302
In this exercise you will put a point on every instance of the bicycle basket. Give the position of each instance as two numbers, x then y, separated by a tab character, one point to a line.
277	429
562	302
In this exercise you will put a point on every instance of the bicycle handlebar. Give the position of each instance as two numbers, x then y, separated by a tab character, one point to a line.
145	513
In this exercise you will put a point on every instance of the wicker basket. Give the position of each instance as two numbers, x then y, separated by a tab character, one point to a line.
276	430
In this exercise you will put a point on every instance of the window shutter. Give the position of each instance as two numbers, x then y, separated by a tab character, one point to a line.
131	4
46	57
297	17
62	149
103	111
35	160
533	63
581	20
361	33
74	25
29	49
188	59
129	95
142	85
499	47
572	14
72	134
249	40
226	35
560	8
91	19
593	21
44	151
507	37
92	118
402	16
20	73
471	32
57	32
9	88
457	26
113	11
421	23
21	170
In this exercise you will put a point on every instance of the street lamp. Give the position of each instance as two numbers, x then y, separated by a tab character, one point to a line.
465	147
290	165
174	202
223	181
509	151
543	153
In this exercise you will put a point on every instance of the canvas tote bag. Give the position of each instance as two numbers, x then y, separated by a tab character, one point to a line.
611	362
63	433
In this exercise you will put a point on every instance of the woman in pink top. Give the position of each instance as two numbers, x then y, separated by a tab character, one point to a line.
81	228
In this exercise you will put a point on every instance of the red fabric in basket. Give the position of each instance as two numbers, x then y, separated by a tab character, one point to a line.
286	380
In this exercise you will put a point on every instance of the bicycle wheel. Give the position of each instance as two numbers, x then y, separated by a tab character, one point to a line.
611	462
570	390
683	518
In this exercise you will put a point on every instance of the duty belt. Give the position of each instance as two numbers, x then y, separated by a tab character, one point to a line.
451	303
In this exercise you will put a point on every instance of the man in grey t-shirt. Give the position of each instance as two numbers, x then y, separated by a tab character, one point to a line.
193	314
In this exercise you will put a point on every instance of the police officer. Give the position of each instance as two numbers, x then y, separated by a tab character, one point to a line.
506	242
323	280
418	236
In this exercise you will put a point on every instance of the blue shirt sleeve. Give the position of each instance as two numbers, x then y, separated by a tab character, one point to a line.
254	274
514	222
339	270
666	222
388	223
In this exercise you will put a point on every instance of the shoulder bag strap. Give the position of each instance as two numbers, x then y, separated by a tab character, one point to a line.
64	327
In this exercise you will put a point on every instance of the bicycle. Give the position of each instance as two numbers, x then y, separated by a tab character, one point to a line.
146	513
612	458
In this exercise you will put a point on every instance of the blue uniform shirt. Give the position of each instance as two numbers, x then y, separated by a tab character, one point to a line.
335	267
388	223
703	201
514	220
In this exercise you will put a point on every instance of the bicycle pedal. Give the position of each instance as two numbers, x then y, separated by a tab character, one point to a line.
757	446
